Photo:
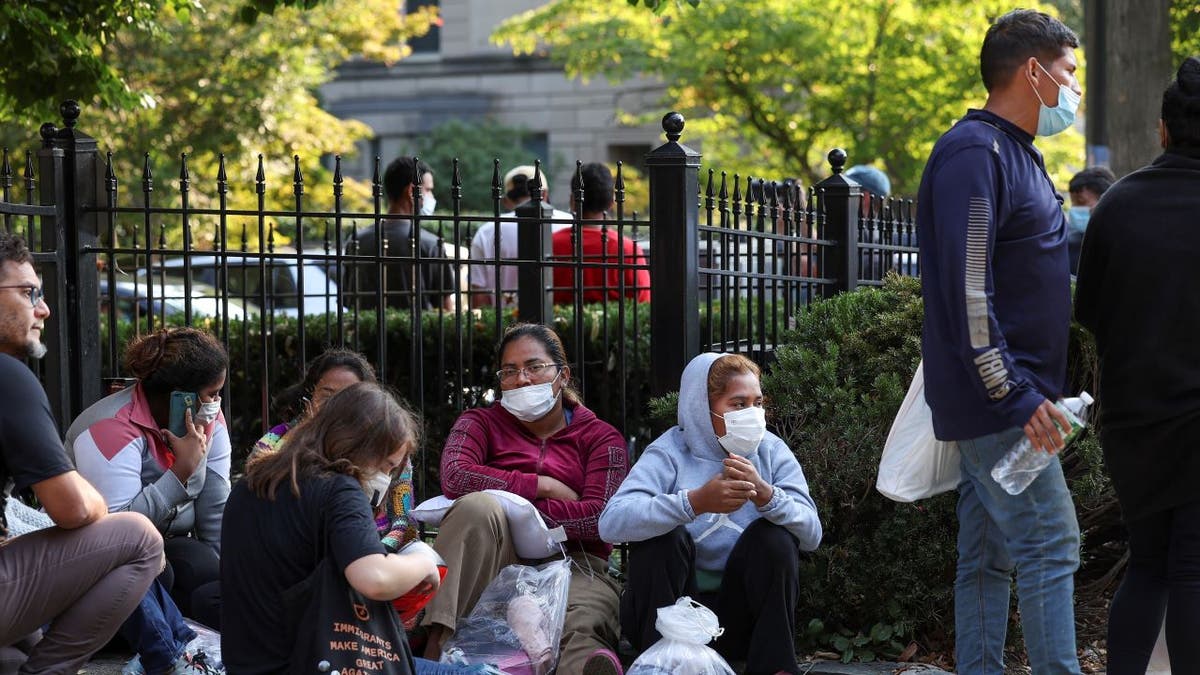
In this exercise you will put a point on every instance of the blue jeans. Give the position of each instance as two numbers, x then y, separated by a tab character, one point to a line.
156	630
1035	531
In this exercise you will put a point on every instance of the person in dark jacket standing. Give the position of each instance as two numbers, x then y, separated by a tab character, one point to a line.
1135	297
993	241
425	274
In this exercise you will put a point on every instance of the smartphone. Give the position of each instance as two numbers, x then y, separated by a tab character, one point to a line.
182	401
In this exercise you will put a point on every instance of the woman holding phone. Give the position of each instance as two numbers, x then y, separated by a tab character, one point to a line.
178	479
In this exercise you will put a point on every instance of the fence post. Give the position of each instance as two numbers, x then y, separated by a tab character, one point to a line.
71	181
674	172
840	199
534	242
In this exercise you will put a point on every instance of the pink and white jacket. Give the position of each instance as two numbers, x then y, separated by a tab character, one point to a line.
117	446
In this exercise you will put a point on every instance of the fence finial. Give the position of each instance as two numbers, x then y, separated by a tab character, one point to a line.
147	178
338	181
837	160
672	123
70	113
222	177
297	177
48	131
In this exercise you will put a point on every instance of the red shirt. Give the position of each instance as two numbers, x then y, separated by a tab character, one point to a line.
488	448
600	283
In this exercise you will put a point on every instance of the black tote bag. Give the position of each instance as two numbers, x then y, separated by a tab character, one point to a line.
337	629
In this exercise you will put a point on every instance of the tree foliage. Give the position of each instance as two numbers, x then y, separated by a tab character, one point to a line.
1185	29
773	85
476	145
211	83
57	49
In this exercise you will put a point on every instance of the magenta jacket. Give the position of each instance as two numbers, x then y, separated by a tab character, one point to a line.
488	448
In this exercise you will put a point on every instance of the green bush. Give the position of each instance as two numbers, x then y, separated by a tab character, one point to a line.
884	573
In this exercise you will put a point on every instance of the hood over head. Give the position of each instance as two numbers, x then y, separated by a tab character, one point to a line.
694	415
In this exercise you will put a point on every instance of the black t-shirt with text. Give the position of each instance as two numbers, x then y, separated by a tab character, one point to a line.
31	450
268	546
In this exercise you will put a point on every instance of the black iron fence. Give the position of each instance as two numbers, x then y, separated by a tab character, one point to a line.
720	266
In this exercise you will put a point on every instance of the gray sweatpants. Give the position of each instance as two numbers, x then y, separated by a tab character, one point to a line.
83	582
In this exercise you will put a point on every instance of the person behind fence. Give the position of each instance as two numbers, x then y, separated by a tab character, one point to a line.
996	288
483	244
541	443
1085	189
717	509
84	575
427	266
601	247
1145	316
122	444
314	486
330	372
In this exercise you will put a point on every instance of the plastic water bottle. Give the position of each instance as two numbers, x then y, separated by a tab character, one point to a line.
1022	464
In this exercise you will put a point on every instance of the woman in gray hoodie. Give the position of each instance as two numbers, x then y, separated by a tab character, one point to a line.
717	509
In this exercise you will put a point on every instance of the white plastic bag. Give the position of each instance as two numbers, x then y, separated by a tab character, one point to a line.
915	464
532	538
517	622
686	628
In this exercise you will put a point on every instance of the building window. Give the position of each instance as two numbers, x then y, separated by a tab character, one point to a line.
632	155
431	42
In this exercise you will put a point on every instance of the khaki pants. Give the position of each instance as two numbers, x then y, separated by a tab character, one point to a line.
476	544
84	582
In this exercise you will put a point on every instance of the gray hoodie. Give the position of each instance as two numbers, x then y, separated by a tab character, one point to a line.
653	500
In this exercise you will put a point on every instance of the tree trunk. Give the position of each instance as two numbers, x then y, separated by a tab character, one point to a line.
1137	37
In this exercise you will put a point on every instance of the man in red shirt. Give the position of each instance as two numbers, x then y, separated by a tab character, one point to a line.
608	259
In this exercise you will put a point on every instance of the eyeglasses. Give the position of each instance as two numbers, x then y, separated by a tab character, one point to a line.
533	371
35	293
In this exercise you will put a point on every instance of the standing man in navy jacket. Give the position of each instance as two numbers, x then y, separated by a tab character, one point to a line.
994	268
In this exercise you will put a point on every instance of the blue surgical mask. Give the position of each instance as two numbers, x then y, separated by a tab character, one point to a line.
1055	120
1077	218
428	204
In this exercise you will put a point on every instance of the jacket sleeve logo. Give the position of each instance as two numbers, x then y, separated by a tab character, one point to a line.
993	374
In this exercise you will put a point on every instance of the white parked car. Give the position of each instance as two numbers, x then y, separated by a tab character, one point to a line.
133	302
245	274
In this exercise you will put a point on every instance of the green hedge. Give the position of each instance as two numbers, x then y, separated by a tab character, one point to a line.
884	574
256	378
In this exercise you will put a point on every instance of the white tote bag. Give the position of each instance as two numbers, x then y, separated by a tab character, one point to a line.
915	464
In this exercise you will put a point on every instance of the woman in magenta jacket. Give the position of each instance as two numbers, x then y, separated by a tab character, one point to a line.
541	443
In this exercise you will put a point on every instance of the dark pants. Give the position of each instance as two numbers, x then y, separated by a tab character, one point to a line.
756	604
1163	578
192	578
156	630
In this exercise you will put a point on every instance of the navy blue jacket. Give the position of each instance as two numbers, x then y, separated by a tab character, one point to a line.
995	279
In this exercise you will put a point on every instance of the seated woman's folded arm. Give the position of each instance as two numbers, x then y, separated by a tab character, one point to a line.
607	465
464	466
648	504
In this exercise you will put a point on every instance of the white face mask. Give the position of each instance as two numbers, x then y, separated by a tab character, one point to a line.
208	412
377	488
744	430
428	204
531	402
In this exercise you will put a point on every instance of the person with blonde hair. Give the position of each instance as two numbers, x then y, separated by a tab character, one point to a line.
717	509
